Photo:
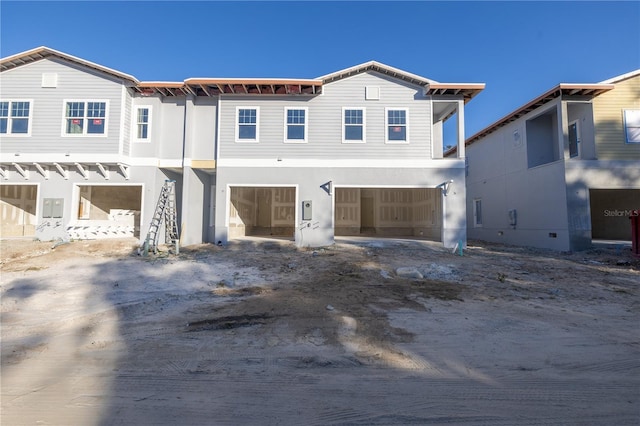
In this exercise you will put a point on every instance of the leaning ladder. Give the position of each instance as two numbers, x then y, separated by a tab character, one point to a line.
165	213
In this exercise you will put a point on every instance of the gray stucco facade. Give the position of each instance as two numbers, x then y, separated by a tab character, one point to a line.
540	176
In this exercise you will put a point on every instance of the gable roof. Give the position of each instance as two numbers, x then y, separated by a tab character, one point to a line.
432	87
44	52
380	68
562	89
619	78
253	86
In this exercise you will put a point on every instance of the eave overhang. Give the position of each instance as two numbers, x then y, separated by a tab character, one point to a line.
39	53
379	68
561	90
467	90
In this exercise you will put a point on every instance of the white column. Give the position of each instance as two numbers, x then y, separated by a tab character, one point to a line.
460	123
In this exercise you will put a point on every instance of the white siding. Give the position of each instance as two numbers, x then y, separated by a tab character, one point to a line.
73	82
325	122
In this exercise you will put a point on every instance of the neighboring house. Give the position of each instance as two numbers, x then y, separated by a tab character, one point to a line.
86	149
560	171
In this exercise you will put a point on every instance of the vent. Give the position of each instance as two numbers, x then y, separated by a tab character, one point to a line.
50	79
372	93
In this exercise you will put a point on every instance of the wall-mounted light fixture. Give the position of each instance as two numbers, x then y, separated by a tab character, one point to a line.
328	187
445	187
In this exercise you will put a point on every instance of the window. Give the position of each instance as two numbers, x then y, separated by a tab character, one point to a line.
85	118
574	139
247	128
353	129
296	123
397	126
142	117
477	213
15	117
632	125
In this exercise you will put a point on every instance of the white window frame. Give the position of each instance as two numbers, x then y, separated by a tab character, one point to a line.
84	133
364	125
476	223
10	118
306	125
237	124
387	125
626	116
134	124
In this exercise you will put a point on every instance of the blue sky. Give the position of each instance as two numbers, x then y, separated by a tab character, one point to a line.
519	49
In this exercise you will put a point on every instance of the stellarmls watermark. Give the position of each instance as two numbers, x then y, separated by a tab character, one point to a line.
620	213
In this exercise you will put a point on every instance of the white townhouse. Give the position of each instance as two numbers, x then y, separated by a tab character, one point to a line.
86	149
560	171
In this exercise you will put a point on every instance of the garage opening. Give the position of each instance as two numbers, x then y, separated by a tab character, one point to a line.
610	212
107	212
18	210
258	211
389	212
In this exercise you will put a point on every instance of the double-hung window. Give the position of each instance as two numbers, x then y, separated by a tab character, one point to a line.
15	118
142	123
397	128
353	125
247	124
632	125
85	118
296	125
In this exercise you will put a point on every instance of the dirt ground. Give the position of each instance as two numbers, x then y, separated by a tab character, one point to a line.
262	333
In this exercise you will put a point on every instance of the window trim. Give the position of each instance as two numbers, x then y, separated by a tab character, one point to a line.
10	118
364	125
306	125
386	126
84	133
476	223
134	124
626	127
237	124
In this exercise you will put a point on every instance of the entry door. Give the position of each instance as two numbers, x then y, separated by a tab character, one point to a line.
574	139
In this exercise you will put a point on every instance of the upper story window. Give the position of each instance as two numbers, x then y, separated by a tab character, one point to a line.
397	131
85	118
353	125
142	118
632	125
296	125
247	125
15	118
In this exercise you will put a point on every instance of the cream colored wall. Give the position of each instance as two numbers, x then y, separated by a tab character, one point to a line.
607	108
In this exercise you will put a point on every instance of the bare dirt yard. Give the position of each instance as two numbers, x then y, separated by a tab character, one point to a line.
262	333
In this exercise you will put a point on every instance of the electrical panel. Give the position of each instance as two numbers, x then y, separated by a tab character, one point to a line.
306	210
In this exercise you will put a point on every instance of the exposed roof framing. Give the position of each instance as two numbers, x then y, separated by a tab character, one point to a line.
380	68
467	90
43	52
561	90
253	86
432	87
217	86
250	86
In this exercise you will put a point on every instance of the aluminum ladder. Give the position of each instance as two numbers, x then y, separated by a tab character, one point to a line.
165	213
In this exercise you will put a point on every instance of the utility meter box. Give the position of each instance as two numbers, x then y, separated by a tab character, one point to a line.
306	209
52	207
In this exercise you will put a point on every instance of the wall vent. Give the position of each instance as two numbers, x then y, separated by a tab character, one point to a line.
372	93
50	79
